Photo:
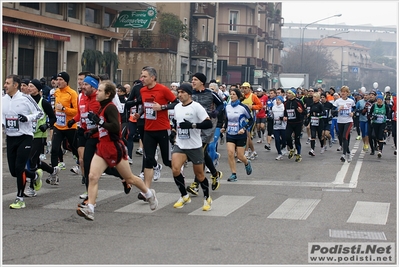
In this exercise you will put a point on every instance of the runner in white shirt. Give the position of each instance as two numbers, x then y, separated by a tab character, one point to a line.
345	106
19	113
190	118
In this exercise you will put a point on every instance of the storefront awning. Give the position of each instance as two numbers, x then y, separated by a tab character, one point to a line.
35	32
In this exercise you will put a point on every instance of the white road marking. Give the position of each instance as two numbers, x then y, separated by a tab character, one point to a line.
224	205
369	213
295	209
140	206
72	202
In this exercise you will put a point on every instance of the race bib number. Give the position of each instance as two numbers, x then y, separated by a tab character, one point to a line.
379	118
277	121
61	118
12	123
314	121
183	133
344	112
150	113
232	128
291	114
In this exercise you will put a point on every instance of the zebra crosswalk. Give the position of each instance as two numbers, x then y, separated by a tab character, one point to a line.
290	209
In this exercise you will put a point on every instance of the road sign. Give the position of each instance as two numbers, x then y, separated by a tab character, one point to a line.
355	69
319	81
138	19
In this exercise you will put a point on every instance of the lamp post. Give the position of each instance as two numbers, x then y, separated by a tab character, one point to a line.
303	34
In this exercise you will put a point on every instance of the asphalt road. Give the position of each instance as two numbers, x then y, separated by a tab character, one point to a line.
267	218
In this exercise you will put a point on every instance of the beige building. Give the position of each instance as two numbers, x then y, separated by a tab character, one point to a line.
42	39
229	42
249	39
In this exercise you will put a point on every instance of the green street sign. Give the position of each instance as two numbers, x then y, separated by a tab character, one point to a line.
138	19
319	81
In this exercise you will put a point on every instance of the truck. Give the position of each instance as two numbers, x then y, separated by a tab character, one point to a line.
288	80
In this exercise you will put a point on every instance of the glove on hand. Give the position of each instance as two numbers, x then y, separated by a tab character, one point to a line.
186	124
22	118
71	123
44	127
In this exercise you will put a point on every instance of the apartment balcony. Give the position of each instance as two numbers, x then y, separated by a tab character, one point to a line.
275	43
203	10
277	19
249	31
259	63
275	68
150	43
202	49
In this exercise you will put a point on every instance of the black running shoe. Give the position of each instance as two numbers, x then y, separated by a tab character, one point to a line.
126	187
141	197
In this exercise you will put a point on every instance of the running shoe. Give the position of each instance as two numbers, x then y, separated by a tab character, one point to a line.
339	148
84	203
17	204
83	180
207	204
42	157
141	175
182	201
372	153
153	200
53	179
291	154
84	195
86	212
308	141
330	142
394	152
267	146
193	188
232	178
216	180
141	197
298	158
238	160
248	168
207	170
311	152
62	165
279	157
379	155
343	158
253	156
348	157
157	172
37	184
129	160
29	192
76	170
126	187
259	141
322	150
284	151
358	137
246	154
139	151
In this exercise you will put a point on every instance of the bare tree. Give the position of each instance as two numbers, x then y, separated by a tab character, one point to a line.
317	62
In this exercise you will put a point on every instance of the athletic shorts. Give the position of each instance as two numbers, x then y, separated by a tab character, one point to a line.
112	152
261	120
195	155
242	142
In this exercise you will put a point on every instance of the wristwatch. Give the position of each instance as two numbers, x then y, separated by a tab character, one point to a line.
194	125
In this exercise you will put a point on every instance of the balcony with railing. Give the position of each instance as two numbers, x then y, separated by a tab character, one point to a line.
203	10
151	43
250	31
202	49
259	63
